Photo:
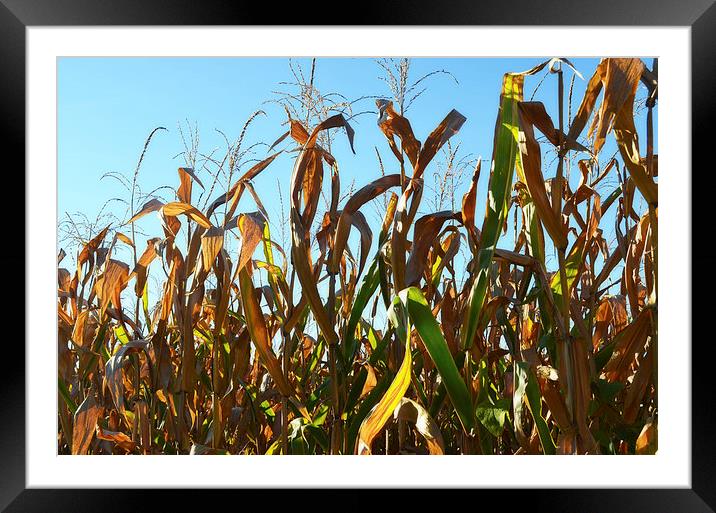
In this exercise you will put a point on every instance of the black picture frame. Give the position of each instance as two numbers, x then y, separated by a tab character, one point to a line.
700	15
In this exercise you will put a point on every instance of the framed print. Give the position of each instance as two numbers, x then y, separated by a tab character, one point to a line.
417	251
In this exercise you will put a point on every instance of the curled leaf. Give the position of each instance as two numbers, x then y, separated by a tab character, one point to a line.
411	411
177	208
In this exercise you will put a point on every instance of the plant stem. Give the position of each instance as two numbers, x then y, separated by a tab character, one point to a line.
564	306
284	399
654	231
336	428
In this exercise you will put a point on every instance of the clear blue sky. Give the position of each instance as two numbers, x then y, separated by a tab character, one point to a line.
108	106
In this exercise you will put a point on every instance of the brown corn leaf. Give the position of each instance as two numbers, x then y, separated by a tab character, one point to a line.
251	226
304	272
177	208
141	425
84	424
630	341
628	142
646	443
548	380
259	334
366	237
88	251
111	283
391	123
536	114
370	381
299	134
184	192
611	315
444	131
113	371
425	235
234	193
211	243
150	206
124	238
620	79
140	270
257	200
469	202
63	280
278	141
407	209
312	182
122	440
356	201
300	253
411	411
85	328
170	225
532	167
638	386
632	264
594	87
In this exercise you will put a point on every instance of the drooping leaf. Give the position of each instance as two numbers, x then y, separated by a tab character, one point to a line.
531	160
411	411
392	123
259	333
211	243
150	206
113	379
177	208
381	412
426	234
111	283
357	200
85	422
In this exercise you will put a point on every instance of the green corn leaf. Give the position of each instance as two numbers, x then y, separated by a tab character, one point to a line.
367	289
432	337
65	393
572	265
498	197
527	389
493	416
504	159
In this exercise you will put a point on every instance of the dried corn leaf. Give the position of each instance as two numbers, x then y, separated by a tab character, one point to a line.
258	332
113	379
411	411
150	206
392	124
211	244
177	208
83	427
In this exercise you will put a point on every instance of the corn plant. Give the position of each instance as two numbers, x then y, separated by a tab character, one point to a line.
257	348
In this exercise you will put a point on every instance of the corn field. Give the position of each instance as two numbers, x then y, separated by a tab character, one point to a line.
256	347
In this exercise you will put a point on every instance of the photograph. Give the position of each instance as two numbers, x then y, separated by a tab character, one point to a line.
357	255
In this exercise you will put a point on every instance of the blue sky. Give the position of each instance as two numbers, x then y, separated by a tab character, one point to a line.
108	106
